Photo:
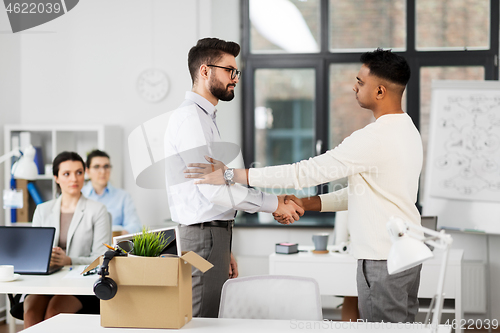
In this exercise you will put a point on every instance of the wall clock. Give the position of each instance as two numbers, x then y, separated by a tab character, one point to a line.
152	85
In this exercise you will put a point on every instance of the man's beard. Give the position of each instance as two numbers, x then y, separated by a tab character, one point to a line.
219	91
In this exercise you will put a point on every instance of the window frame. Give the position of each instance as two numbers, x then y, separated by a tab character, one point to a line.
321	61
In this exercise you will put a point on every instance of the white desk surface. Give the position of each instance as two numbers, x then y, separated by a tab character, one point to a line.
336	272
64	282
73	323
455	257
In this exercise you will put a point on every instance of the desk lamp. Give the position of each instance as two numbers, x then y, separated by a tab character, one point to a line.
409	249
25	167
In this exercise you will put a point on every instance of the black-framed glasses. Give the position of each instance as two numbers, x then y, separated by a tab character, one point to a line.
105	167
234	72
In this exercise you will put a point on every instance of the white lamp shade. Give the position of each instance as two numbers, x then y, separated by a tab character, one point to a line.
26	168
405	253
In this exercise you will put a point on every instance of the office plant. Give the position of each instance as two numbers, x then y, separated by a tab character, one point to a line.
149	244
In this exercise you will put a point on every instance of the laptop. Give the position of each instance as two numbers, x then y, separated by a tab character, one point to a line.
27	248
173	246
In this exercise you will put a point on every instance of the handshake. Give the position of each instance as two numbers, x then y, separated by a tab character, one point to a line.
290	208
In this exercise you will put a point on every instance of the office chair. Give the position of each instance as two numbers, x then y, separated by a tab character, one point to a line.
271	297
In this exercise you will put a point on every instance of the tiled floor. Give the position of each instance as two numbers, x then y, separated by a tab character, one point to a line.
4	328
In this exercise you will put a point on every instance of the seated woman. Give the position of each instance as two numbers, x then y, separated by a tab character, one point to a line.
82	226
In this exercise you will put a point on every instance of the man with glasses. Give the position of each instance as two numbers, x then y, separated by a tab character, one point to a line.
117	201
205	212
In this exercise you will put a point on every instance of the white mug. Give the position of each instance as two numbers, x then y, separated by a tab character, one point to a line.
6	272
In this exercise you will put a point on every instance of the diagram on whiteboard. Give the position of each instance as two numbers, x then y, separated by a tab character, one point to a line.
465	161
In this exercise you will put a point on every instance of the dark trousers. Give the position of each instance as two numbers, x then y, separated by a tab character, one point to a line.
214	245
384	297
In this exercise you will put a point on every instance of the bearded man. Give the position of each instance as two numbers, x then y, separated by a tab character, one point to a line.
205	213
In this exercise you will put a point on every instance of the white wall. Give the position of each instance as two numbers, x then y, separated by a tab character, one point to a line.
10	99
475	248
494	244
226	25
10	87
83	67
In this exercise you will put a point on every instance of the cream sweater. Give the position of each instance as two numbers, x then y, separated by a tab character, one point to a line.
382	162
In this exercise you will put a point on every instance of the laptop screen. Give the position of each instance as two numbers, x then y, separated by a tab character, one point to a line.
27	248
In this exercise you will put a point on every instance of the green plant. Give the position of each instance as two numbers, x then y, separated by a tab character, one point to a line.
149	244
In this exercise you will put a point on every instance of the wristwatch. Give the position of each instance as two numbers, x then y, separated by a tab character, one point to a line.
228	176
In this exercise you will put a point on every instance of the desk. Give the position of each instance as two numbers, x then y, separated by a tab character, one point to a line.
336	274
59	283
74	323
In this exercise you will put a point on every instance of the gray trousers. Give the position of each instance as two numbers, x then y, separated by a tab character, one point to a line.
384	297
214	245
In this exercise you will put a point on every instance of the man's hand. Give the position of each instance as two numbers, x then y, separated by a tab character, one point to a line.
212	173
233	268
59	258
293	198
287	212
288	200
306	204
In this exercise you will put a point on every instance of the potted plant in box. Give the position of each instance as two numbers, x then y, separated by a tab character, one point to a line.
149	244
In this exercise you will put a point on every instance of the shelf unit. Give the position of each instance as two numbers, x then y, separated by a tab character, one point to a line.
54	139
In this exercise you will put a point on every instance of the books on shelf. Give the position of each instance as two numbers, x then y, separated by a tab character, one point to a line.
35	195
39	160
13	211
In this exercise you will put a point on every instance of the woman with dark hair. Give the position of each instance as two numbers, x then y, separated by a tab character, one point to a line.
82	226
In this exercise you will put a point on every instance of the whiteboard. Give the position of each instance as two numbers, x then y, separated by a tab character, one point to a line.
462	185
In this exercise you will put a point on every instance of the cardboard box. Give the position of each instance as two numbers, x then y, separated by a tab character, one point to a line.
153	292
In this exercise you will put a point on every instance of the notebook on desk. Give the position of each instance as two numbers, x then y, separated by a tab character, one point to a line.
27	248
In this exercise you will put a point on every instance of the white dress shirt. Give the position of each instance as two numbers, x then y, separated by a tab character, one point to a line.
382	162
191	134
